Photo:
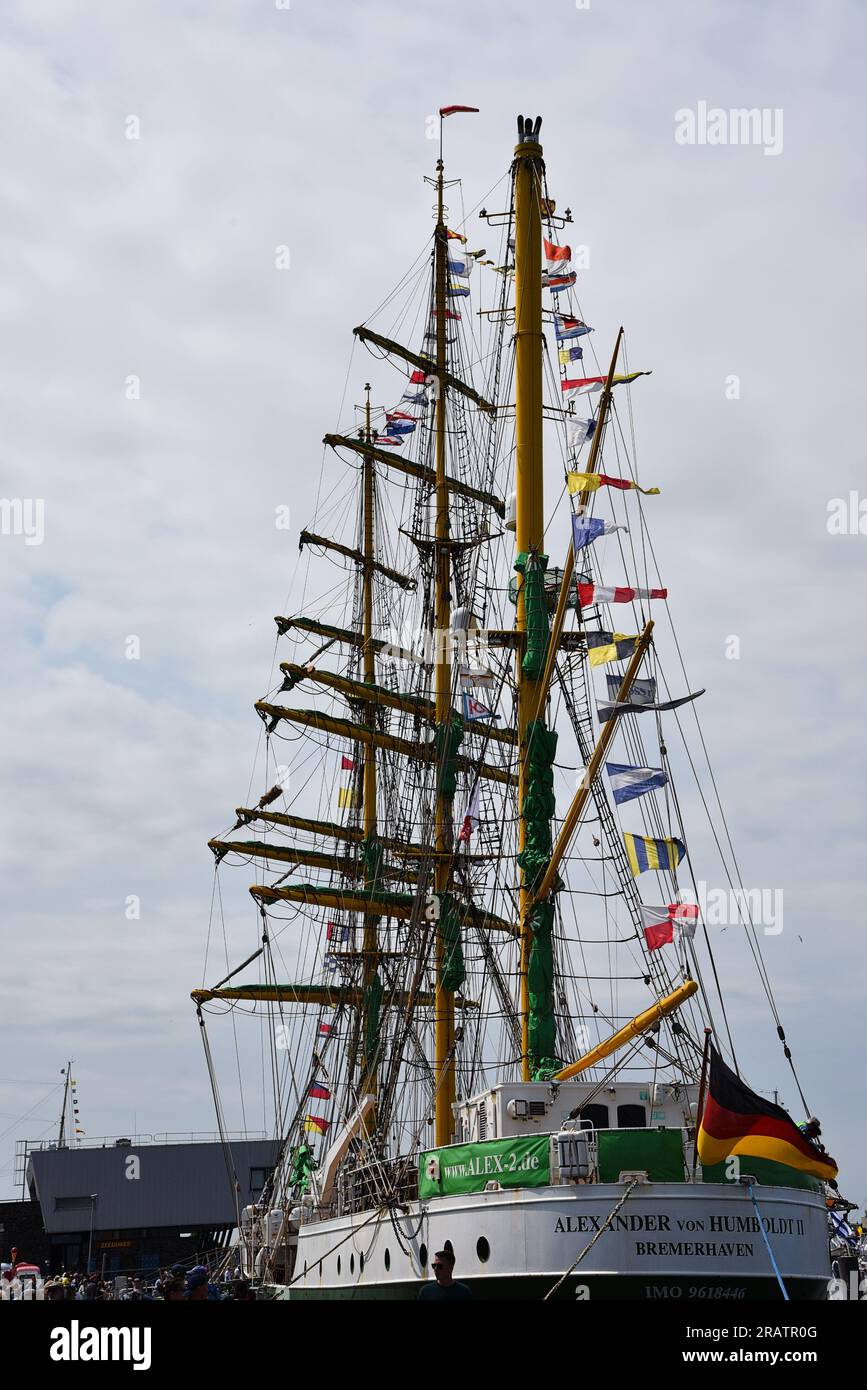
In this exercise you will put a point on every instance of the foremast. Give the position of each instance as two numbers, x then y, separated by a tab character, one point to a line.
371	851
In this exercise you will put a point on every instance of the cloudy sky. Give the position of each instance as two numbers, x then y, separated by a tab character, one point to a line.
166	387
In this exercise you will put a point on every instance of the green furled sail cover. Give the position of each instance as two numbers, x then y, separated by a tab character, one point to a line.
452	970
541	1028
372	1006
450	736
537	806
532	567
303	1164
372	856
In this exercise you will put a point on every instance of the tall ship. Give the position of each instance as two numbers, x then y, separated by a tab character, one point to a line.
490	1014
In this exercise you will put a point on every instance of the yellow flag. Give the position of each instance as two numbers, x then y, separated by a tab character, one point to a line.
346	796
589	482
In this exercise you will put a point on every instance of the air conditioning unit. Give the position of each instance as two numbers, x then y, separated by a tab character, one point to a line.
518	1109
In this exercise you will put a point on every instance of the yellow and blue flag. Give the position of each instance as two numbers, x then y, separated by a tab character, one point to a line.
644	854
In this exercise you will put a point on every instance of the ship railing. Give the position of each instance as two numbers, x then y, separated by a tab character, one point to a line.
366	1186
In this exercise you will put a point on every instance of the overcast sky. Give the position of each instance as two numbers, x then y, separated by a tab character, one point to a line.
154	258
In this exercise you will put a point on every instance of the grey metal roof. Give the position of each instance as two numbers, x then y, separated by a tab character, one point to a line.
177	1184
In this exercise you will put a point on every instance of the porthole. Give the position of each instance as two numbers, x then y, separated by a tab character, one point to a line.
422	1255
361	1263
448	1246
483	1249
351	1264
305	1267
338	1264
388	1259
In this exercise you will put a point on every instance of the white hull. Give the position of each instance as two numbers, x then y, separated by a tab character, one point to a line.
669	1240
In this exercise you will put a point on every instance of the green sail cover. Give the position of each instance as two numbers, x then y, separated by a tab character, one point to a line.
452	970
532	567
538	802
372	1006
372	855
542	1037
518	1162
450	736
303	1164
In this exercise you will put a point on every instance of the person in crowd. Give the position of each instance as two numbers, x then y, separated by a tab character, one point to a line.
197	1288
446	1286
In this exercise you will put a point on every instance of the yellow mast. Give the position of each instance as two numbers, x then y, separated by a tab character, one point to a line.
444	1014
370	939
529	529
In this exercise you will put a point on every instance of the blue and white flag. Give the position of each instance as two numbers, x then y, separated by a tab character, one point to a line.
629	782
579	431
399	427
586	529
840	1228
474	709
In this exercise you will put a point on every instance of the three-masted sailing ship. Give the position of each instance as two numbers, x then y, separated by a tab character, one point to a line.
481	1036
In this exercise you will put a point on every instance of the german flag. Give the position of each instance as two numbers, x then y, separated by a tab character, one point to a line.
737	1121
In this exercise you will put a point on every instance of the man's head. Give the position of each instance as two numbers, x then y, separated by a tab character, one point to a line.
173	1290
197	1288
443	1266
812	1128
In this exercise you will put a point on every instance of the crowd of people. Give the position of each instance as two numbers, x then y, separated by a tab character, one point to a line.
175	1285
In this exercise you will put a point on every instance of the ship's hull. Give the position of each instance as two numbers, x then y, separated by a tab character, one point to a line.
669	1241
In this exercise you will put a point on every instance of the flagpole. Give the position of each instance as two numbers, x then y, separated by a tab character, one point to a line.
701	1091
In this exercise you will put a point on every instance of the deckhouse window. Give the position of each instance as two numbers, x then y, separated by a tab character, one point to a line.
631	1117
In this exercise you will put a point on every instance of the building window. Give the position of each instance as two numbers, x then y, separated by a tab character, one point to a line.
258	1179
631	1117
72	1203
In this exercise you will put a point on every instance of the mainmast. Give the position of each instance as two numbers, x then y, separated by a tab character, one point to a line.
529	530
444	1012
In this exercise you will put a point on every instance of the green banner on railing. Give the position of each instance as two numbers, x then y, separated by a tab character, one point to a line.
520	1162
